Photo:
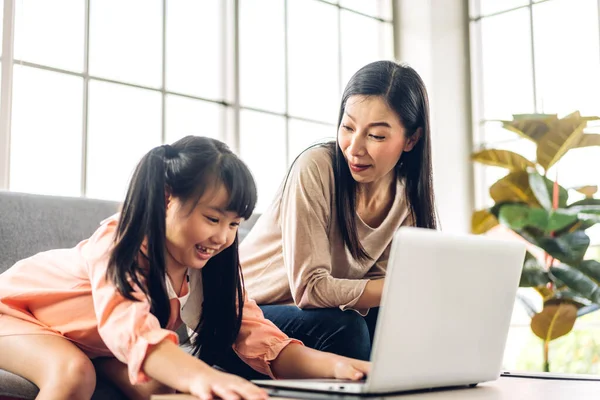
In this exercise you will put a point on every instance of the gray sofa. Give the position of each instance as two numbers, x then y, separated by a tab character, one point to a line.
33	223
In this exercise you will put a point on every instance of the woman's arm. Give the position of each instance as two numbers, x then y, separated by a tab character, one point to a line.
305	219
299	362
371	296
268	350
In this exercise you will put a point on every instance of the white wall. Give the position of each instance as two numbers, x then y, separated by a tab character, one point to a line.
432	37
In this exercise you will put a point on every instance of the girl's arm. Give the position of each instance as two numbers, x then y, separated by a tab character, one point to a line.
299	362
135	337
170	365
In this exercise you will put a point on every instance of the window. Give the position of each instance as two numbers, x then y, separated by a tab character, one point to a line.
538	57
97	83
523	64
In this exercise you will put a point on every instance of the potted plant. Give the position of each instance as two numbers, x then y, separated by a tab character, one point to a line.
538	209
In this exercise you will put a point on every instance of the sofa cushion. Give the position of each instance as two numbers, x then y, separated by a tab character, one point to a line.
34	223
14	386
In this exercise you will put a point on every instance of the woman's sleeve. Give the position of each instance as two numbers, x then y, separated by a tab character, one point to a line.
305	215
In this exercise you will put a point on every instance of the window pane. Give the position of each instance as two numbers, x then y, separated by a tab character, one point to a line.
304	134
194	48
126	41
579	167
364	40
187	116
258	132
493	132
1	24
50	32
566	59
594	234
523	350
313	60
507	66
45	153
376	8
575	353
493	6
262	55
123	124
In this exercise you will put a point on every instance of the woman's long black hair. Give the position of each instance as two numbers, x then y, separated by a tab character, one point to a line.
403	90
186	169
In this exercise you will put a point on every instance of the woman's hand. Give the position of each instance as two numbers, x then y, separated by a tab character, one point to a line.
214	383
348	368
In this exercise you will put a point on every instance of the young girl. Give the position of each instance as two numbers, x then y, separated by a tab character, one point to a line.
322	246
169	258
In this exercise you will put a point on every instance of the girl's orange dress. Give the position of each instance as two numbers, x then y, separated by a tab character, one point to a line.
65	293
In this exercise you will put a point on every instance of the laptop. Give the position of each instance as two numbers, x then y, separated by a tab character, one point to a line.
444	318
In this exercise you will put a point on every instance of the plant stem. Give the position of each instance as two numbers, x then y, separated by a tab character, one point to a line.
546	358
549	338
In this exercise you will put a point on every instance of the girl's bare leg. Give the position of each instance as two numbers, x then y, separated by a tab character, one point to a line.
55	365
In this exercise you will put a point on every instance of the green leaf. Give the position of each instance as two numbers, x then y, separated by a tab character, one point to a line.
568	296
569	248
585	202
584	209
591	268
519	216
585	214
495	209
543	189
559	219
577	281
589	215
533	274
504	159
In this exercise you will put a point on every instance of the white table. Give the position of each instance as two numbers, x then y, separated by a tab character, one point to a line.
504	388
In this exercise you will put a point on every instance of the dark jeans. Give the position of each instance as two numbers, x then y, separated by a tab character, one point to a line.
328	329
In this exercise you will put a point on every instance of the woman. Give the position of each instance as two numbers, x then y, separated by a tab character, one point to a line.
315	261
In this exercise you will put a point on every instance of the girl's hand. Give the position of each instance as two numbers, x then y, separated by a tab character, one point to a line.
348	368
226	386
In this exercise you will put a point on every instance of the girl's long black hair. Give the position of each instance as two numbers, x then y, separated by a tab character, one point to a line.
186	169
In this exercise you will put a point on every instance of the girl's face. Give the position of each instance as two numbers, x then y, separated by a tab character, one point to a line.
194	237
372	138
